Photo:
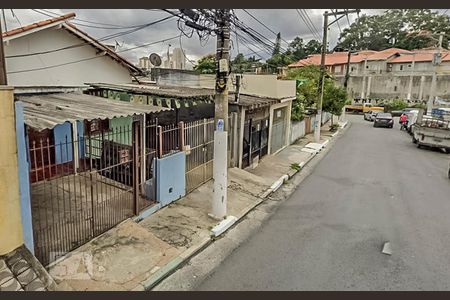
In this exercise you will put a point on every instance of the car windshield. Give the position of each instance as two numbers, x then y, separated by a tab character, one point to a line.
384	115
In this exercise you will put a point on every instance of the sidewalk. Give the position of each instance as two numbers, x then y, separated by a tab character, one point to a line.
137	255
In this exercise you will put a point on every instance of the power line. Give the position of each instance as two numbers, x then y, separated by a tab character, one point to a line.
15	16
111	26
311	22
264	25
337	21
184	54
314	34
107	37
90	58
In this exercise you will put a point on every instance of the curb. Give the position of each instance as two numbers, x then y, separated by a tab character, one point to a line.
184	257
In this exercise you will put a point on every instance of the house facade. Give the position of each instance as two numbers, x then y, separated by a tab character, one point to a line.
388	74
55	53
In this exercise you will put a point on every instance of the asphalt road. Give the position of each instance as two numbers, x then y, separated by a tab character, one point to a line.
374	186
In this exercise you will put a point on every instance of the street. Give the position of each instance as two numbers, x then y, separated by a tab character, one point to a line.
374	186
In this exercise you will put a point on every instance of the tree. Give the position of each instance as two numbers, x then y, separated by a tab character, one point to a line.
402	28
206	64
307	77
313	47
240	64
277	47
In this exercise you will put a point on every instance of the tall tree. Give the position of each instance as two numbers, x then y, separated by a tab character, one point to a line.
206	64
277	47
402	28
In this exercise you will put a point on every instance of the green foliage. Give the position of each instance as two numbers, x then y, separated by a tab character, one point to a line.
402	28
334	127
334	97
240	64
296	167
296	50
396	104
206	64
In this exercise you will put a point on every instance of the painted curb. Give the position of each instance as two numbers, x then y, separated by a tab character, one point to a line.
174	264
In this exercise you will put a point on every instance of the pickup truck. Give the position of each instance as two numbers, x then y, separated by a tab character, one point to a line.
432	132
363	108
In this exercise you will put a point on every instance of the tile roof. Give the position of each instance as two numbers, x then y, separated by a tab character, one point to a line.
38	24
419	57
340	58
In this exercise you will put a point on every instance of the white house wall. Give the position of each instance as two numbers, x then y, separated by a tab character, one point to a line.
103	69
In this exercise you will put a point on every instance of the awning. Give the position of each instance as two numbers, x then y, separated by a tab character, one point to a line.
47	111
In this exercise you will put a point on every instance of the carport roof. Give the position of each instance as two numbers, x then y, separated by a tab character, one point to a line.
47	111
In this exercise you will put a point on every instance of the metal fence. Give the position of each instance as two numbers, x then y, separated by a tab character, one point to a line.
80	188
83	186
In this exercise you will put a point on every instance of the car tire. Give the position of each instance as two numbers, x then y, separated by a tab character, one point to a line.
419	145
414	140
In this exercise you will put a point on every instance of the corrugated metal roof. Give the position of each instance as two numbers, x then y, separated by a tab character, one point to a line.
163	91
187	92
47	111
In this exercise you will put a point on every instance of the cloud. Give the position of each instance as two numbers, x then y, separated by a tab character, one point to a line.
286	21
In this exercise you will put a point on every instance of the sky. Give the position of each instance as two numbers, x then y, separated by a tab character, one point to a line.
286	21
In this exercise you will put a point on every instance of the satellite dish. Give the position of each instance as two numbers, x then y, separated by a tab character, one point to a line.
155	59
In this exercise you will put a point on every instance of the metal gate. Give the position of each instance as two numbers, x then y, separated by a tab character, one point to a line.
199	144
279	129
82	187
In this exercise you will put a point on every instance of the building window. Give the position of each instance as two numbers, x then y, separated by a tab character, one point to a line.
409	66
367	67
395	88
352	69
401	67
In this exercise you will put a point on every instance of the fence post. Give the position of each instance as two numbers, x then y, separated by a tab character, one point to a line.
205	149
181	129
160	140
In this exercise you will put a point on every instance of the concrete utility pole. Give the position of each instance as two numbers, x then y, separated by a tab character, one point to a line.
322	66
437	61
220	176
3	80
322	79
411	77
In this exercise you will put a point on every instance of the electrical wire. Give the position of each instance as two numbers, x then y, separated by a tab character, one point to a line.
91	58
314	33
184	54
264	25
104	38
311	22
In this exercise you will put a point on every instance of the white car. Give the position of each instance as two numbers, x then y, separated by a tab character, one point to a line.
370	115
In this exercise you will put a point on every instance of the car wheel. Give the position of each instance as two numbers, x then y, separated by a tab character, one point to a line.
419	145
414	140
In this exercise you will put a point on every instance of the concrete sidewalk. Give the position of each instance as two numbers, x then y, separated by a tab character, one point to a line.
137	255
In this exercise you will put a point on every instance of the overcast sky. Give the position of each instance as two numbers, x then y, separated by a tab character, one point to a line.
286	21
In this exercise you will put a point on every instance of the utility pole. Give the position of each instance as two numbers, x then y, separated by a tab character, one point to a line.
220	164
322	65
322	79
3	80
436	61
347	71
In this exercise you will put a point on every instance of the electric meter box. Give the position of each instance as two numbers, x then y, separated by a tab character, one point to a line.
223	65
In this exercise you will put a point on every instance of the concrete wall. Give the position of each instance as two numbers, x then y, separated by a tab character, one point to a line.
11	234
267	85
261	85
103	69
297	131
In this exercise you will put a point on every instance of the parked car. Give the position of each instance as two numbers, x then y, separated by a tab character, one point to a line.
370	115
383	120
367	115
